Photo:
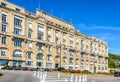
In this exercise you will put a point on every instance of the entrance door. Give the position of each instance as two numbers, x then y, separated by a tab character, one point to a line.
94	69
56	65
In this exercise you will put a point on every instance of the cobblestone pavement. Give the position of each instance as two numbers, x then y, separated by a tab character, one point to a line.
27	76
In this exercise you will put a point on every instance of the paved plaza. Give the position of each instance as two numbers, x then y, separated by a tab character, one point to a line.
32	76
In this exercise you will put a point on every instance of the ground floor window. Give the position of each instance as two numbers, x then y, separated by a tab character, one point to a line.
17	63
49	65
29	63
3	62
39	64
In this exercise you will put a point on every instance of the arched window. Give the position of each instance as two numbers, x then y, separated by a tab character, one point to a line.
17	53
48	57
39	56
64	59
71	60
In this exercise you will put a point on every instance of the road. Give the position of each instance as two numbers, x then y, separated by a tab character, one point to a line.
15	77
27	76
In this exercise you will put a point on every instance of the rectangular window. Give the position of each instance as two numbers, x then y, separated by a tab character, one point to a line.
3	40
40	46
40	36
29	55
49	65
3	4
17	42
49	31
17	21
3	28
3	52
4	17
29	34
17	31
30	25
29	63
40	64
30	45
40	28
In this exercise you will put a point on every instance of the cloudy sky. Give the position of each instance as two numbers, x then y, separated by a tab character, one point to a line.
99	18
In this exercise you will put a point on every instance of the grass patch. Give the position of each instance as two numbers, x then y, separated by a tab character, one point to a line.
89	74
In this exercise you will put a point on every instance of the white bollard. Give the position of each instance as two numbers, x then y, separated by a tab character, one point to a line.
38	75
46	74
58	75
85	77
66	80
34	73
71	76
76	78
79	78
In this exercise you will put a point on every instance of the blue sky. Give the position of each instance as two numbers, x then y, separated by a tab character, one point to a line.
99	18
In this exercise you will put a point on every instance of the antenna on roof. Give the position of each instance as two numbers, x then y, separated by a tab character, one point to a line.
51	12
39	4
70	20
62	16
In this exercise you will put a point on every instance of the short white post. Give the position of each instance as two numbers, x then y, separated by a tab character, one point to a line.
66	80
79	78
76	78
71	78
58	75
38	75
34	73
46	74
85	77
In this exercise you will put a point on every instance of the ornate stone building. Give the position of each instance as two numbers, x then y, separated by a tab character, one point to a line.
43	41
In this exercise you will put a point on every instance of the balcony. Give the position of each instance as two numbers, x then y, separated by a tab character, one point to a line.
18	36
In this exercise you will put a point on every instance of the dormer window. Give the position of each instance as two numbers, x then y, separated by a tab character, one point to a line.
3	4
17	9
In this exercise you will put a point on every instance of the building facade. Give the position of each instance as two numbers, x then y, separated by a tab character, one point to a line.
43	41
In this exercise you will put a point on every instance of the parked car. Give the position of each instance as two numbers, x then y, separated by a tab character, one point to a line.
60	69
116	74
7	68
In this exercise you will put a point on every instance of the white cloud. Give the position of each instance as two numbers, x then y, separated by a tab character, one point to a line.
95	27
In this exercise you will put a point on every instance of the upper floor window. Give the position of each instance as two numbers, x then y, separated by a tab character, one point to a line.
17	9
48	30
29	55
17	42
17	31
3	52
29	34
3	4
40	36
4	40
3	28
29	44
17	21
48	57
70	60
71	52
30	25
39	56
4	17
49	48
56	33
17	53
82	41
40	28
40	46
